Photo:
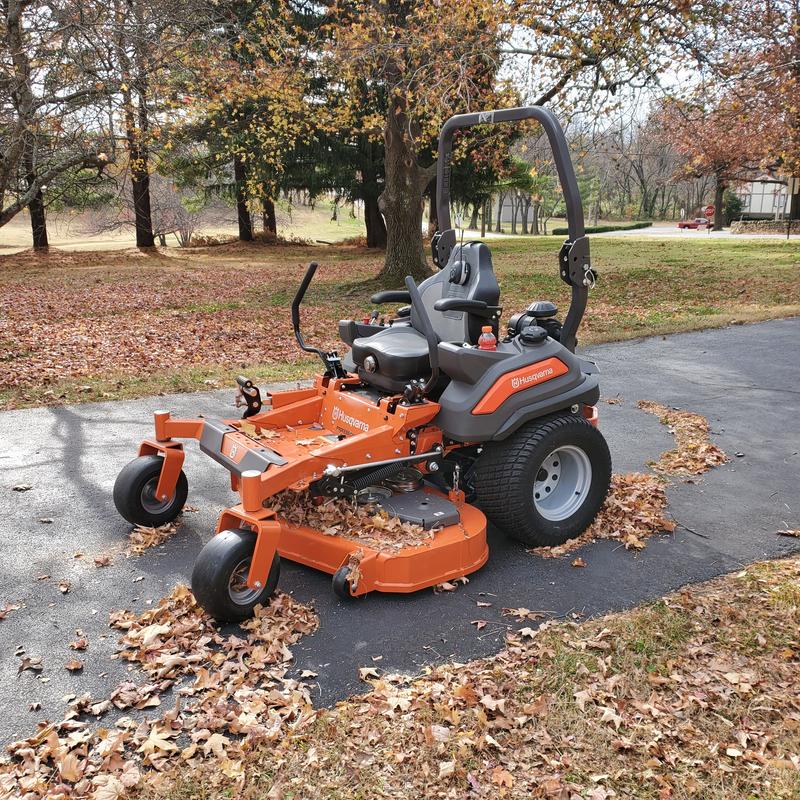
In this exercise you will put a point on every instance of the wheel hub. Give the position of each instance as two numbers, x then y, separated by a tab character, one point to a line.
238	590
562	483
150	502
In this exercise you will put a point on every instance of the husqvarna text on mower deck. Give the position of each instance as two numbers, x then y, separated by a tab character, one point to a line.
418	419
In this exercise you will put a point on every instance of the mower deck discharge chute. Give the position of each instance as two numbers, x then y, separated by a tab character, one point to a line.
427	414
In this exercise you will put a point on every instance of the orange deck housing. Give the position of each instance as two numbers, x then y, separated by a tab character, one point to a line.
308	430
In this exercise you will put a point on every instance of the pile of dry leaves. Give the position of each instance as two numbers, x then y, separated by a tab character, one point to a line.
694	453
697	695
633	510
143	537
234	693
348	519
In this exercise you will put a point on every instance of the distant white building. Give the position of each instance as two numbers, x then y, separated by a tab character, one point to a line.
770	197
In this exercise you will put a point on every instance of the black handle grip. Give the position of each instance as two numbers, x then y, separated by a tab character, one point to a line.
391	296
298	298
459	304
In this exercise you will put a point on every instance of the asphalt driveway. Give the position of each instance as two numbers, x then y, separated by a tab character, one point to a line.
744	379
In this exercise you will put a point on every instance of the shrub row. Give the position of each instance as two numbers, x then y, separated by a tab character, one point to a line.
631	226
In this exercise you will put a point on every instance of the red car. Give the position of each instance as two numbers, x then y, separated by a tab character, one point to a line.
694	224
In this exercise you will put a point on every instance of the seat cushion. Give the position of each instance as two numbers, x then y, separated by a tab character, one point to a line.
401	353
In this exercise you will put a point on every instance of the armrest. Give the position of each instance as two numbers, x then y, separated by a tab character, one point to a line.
391	296
460	304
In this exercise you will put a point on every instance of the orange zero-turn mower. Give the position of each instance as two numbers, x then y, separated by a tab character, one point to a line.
427	414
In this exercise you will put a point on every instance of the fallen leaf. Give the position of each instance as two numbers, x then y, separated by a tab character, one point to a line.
32	663
70	767
8	608
446	769
578	562
74	665
502	777
108	787
364	673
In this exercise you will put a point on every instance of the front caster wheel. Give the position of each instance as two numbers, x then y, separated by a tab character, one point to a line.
219	577
546	482
135	493
341	583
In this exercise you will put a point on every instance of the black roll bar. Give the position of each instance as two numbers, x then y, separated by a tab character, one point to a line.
573	260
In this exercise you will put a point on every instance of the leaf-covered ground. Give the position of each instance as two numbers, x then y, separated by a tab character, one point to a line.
694	696
94	325
234	692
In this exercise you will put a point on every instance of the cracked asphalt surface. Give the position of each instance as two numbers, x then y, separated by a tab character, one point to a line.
743	379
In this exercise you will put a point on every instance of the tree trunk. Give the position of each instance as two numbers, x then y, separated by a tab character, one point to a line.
526	207
268	216
135	81
514	213
370	192
242	212
498	228
140	188
473	220
719	192
376	227
36	210
535	221
484	208
402	203
38	222
433	222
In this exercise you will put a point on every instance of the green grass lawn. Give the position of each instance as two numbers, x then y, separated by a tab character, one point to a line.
104	325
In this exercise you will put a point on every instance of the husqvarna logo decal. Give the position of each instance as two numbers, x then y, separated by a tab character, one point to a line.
534	377
517	381
346	419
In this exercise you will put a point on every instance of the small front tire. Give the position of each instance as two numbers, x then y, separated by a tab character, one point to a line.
220	573
340	582
547	481
135	493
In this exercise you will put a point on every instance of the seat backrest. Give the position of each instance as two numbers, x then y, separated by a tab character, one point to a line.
468	274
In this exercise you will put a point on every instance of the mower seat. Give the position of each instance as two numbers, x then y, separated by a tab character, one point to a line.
400	352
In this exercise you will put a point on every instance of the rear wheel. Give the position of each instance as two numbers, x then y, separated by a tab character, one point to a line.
219	577
135	493
546	482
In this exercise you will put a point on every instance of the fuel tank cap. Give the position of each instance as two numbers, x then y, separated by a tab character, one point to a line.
533	334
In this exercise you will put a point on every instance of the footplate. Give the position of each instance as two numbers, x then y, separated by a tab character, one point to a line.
234	450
